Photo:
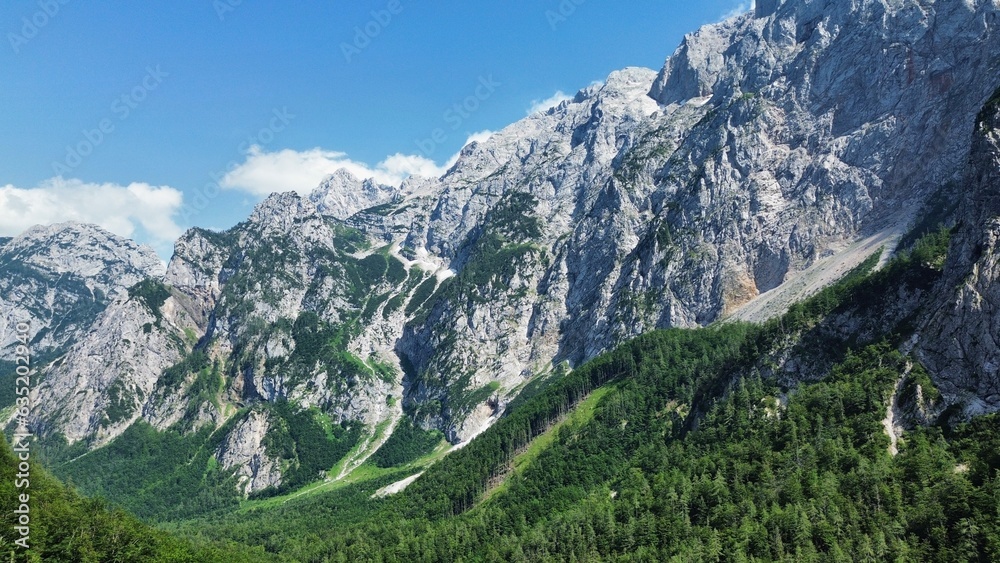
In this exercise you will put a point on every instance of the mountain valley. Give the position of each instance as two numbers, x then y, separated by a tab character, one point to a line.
743	308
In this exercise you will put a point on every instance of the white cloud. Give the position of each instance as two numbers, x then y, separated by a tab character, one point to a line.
479	136
399	166
264	173
119	209
739	10
550	102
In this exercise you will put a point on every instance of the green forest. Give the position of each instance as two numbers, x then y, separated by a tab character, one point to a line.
65	526
680	445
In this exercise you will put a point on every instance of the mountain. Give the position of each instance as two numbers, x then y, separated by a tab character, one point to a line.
773	153
59	279
828	433
342	195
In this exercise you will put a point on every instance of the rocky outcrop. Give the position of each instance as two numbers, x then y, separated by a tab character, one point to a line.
105	381
960	340
342	194
777	139
242	450
59	278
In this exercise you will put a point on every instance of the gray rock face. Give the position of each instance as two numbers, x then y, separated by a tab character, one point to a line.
102	385
107	260
342	194
243	452
58	279
778	139
960	341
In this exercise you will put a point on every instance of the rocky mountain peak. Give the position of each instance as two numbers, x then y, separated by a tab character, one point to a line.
84	250
280	212
628	80
693	70
60	277
342	194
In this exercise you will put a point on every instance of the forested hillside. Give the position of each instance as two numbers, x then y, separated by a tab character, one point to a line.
693	451
67	527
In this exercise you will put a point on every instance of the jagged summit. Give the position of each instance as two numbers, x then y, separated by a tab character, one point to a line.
60	279
342	194
281	211
85	250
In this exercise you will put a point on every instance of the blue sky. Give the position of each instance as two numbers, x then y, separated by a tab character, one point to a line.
132	114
